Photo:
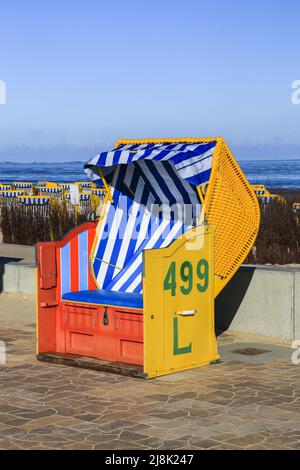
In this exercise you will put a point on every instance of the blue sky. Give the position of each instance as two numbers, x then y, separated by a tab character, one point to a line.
81	74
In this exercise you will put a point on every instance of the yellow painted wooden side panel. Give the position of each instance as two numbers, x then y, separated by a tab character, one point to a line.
178	289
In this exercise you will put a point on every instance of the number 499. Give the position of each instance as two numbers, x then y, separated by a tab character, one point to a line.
187	277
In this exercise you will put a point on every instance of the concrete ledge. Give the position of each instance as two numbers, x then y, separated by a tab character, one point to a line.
17	277
297	305
261	300
17	253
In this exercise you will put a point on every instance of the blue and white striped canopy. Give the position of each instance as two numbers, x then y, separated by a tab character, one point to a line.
22	185
82	197
34	200
143	178
12	193
51	190
98	192
191	161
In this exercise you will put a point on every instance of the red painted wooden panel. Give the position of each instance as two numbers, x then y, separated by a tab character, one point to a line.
91	236
129	338
47	266
103	333
74	264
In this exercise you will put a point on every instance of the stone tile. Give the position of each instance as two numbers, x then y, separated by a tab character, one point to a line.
119	424
169	414
78	446
87	417
225	436
245	441
204	443
173	444
131	436
38	422
119	445
228	406
97	439
6	444
13	433
152	442
30	414
293	445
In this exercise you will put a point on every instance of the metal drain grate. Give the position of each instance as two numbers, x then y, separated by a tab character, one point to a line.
251	351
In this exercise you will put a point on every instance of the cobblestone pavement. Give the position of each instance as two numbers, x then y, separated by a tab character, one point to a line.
227	406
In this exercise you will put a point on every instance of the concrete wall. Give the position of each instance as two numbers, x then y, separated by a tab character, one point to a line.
297	305
259	300
262	300
17	277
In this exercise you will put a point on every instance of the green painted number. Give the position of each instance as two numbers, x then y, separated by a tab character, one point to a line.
176	349
186	274
169	282
202	273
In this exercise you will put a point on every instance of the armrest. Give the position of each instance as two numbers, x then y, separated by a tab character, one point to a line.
178	291
64	265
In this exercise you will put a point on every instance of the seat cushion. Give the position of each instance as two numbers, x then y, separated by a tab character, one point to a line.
106	298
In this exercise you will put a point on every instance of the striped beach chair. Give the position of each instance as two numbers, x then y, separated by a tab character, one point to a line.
38	205
34	200
158	191
84	201
25	186
296	206
84	184
65	186
54	192
10	196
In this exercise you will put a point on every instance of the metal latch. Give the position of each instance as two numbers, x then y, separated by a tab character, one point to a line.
105	320
187	313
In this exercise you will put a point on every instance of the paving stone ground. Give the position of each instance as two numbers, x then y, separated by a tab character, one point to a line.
231	405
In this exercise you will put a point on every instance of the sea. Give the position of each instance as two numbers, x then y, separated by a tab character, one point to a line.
271	173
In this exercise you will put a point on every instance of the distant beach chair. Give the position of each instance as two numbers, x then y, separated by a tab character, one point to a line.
272	199
25	186
84	184
84	202
35	204
265	197
5	187
53	191
10	196
65	186
34	200
296	206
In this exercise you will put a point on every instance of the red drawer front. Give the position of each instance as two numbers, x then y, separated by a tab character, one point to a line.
129	338
80	343
103	333
80	326
81	321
